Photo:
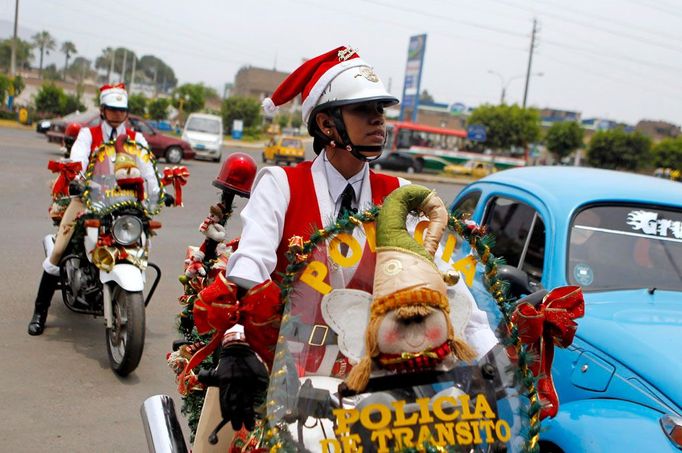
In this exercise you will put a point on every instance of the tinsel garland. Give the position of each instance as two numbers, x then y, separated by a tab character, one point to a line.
277	437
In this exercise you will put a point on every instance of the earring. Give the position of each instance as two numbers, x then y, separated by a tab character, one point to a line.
328	132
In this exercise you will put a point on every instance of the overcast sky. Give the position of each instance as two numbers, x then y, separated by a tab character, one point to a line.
616	59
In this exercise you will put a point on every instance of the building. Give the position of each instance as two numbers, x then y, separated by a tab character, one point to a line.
438	114
658	130
255	82
550	116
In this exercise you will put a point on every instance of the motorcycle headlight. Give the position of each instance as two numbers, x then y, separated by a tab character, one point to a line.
127	229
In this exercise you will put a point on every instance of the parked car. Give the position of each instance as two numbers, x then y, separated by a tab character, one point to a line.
172	149
284	149
204	133
619	237
399	161
473	168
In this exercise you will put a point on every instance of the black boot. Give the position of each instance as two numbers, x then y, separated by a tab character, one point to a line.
48	283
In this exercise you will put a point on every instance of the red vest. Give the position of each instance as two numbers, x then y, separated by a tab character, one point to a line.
303	212
301	219
97	139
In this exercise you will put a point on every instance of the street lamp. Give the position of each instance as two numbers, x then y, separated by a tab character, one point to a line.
505	83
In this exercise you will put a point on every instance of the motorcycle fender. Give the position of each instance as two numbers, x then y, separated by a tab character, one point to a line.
124	275
602	425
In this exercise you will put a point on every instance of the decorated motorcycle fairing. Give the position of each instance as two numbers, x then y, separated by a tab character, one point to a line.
479	405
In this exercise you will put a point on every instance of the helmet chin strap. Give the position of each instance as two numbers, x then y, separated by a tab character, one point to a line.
355	150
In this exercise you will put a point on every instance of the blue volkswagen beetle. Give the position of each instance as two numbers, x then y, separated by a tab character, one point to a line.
618	236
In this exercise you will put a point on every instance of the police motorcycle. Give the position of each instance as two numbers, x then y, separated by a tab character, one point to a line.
360	367
103	270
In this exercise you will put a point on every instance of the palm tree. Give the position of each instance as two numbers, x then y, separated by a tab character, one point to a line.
68	48
45	42
105	61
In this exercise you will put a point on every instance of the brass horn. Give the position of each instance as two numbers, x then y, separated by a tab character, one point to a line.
105	257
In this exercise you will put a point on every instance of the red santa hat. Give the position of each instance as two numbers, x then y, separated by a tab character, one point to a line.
312	80
114	96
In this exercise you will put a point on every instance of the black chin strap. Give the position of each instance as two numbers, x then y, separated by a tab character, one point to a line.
355	150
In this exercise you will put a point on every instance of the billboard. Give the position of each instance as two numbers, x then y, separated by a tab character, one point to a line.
413	75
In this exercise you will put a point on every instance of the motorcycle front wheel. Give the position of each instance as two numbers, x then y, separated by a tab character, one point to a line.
125	339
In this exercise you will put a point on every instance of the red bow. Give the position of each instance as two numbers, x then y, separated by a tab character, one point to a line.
552	322
67	173
178	177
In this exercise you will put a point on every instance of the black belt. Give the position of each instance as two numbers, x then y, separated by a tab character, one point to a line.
314	335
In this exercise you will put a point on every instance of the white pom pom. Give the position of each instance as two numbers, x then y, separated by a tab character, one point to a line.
269	106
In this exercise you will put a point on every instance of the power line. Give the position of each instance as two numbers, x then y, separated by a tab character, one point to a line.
639	39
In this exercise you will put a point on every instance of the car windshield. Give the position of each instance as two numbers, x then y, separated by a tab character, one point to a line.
291	143
626	247
210	126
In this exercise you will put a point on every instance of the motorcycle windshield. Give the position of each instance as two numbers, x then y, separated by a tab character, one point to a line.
420	399
114	179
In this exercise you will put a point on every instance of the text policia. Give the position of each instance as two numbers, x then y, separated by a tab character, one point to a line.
445	421
315	272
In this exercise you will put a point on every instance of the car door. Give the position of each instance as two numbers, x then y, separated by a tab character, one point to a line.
518	228
141	127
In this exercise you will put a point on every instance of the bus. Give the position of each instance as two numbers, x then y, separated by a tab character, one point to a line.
438	146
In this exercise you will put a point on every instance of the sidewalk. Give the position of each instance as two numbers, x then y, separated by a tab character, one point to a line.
14	125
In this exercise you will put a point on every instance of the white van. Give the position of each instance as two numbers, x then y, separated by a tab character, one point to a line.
205	133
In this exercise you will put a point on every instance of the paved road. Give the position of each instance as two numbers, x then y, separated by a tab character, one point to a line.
57	391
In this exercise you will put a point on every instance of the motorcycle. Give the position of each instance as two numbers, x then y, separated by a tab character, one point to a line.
488	404
103	270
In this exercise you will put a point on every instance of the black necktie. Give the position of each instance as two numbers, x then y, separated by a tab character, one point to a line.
112	136
346	206
346	201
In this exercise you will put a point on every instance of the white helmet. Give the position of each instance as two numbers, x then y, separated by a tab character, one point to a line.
114	97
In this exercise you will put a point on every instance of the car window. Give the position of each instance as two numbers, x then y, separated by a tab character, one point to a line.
140	126
206	125
95	121
519	235
291	143
468	203
614	247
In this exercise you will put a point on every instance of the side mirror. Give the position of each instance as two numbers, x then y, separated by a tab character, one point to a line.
519	283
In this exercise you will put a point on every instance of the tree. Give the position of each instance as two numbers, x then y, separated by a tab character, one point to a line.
240	108
137	104
189	97
668	153
81	69
507	125
51	72
563	138
619	150
158	108
71	103
105	61
157	72
282	120
44	42
68	49
50	99
23	53
425	97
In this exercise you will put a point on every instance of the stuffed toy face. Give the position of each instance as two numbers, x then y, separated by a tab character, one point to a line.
412	329
127	173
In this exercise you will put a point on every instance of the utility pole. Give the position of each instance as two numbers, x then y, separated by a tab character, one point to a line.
132	75
123	68
13	64
530	61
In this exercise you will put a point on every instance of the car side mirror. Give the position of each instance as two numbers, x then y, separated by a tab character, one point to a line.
519	283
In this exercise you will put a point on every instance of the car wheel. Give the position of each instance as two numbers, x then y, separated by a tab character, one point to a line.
376	166
174	155
410	170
